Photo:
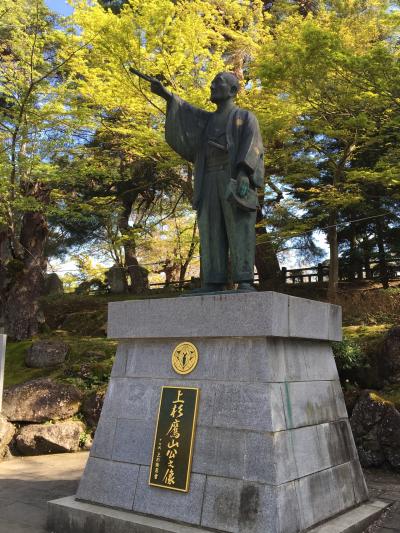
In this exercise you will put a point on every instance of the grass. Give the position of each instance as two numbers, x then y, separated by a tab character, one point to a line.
391	394
365	332
88	364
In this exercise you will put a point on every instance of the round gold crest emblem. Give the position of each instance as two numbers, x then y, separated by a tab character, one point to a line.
185	358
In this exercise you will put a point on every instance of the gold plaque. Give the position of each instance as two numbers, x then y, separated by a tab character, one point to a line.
185	358
173	441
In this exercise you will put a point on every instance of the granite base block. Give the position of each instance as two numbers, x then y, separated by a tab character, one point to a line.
273	447
71	516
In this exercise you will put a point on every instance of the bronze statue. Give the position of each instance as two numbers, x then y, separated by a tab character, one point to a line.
227	151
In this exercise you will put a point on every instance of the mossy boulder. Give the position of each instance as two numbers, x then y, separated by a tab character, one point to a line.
41	439
391	355
92	406
7	431
87	323
46	353
376	428
41	400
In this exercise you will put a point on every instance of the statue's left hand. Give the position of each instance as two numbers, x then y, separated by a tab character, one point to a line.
242	184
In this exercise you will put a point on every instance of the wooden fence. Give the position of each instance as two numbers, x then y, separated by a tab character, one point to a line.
347	272
318	274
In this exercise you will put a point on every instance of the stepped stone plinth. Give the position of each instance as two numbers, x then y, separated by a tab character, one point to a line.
273	449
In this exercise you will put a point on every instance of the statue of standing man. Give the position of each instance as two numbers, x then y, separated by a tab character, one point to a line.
227	151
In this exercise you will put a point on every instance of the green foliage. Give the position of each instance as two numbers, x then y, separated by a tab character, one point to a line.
84	437
349	354
88	364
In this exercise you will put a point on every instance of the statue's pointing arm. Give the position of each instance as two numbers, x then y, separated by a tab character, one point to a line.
184	123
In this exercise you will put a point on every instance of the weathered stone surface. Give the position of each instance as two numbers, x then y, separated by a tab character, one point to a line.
267	315
43	354
40	400
359	485
104	438
269	457
138	399
376	428
213	454
92	406
238	506
391	355
53	284
324	494
183	507
109	483
133	398
310	403
257	359
134	443
119	366
67	515
116	280
7	431
41	439
252	406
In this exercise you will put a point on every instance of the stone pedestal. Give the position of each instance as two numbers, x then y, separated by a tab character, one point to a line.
273	447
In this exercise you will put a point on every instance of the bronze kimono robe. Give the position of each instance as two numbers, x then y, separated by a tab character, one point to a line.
223	227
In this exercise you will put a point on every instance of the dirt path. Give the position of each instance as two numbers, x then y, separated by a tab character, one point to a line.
28	483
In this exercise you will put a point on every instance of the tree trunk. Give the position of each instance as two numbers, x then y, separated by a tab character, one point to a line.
137	274
367	258
267	264
189	257
27	275
353	253
3	272
333	259
383	269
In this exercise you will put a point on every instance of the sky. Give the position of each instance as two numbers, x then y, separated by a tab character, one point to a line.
59	6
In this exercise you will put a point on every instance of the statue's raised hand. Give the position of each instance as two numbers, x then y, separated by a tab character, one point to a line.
158	88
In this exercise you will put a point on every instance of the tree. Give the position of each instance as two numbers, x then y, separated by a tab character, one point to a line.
187	43
327	68
35	126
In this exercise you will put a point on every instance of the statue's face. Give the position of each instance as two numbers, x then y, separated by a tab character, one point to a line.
221	89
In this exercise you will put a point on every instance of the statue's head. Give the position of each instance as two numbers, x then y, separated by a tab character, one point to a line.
224	86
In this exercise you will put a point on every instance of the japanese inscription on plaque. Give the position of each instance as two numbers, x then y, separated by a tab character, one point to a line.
174	437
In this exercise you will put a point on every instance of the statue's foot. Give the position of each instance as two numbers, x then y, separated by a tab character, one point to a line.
246	286
210	287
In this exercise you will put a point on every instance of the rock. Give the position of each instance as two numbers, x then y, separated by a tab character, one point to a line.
40	400
53	284
391	355
90	286
92	406
40	439
86	323
44	354
7	431
376	429
116	279
350	399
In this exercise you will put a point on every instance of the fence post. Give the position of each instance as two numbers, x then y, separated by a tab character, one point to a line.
320	273
283	274
3	339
